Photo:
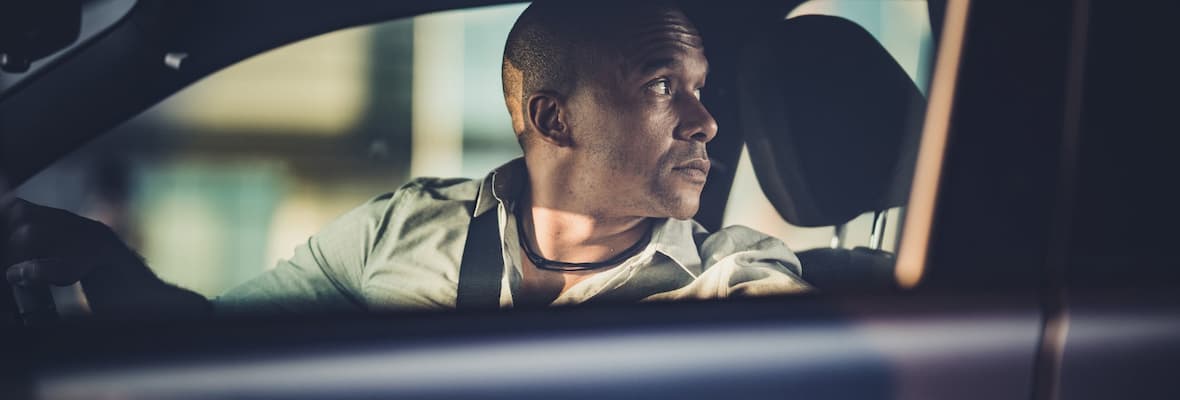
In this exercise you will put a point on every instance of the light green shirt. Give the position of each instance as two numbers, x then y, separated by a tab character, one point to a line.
402	250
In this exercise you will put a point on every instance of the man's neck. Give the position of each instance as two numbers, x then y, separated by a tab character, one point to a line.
577	236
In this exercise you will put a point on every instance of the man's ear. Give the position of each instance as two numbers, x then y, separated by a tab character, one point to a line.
545	113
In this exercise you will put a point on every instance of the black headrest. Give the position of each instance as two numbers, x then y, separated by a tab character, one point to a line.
831	120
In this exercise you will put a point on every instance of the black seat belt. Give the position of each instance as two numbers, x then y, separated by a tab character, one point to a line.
482	267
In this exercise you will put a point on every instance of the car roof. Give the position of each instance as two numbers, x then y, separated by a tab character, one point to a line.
156	49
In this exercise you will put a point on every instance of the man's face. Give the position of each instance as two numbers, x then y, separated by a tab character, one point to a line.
638	123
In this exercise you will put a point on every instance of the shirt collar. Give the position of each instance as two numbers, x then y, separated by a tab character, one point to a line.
676	239
673	238
502	185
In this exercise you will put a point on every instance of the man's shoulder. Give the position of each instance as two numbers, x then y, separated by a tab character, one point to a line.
734	261
736	236
739	239
444	189
743	234
431	195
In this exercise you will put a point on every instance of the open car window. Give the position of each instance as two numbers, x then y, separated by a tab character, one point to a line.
223	180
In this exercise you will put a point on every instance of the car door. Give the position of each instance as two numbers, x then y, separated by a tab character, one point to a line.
1116	316
978	230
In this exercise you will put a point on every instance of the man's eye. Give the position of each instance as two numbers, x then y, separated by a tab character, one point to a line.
660	87
697	93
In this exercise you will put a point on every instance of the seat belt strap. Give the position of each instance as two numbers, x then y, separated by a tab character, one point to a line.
482	266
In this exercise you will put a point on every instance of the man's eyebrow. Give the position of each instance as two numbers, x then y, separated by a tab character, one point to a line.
659	63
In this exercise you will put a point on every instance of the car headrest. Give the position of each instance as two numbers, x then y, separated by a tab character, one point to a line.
831	120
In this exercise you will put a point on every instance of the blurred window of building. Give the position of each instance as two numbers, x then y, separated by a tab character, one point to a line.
220	181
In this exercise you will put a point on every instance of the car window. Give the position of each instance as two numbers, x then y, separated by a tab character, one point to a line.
221	181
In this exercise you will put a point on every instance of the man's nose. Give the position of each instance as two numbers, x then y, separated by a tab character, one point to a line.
695	121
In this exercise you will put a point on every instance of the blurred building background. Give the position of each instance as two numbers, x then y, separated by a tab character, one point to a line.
217	183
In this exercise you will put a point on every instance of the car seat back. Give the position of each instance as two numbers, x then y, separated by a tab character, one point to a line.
831	123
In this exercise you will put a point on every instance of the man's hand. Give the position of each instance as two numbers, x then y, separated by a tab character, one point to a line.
50	246
47	246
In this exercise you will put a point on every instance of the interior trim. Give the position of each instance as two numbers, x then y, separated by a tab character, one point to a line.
919	218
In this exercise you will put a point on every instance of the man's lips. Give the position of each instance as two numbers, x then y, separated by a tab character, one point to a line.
693	166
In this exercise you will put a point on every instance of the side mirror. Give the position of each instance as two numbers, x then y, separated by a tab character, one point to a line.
33	29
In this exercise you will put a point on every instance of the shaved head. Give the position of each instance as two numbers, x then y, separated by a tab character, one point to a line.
605	98
555	46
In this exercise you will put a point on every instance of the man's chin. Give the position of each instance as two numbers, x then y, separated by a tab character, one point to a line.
676	202
685	210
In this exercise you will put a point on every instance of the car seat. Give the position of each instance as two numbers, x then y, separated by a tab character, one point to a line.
831	123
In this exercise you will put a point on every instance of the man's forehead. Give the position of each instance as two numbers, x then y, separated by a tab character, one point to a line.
673	60
660	40
665	30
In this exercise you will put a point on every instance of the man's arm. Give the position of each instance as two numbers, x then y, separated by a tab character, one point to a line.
304	283
741	262
42	246
750	263
326	274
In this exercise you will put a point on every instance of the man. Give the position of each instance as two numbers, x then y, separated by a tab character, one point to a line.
605	102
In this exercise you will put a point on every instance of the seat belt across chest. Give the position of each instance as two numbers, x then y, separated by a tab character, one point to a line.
482	266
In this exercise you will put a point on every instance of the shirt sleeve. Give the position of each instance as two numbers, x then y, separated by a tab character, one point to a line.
738	261
326	273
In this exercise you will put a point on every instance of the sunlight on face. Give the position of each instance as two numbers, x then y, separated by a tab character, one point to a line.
643	129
